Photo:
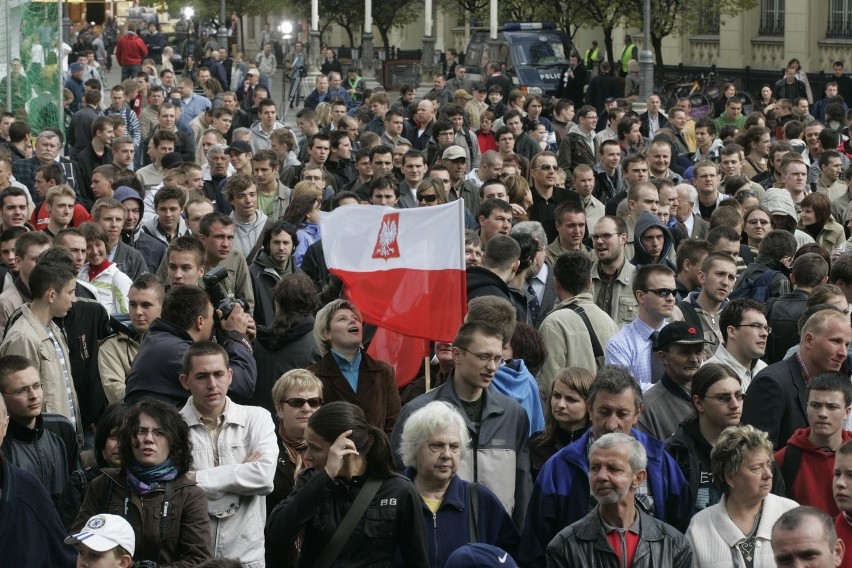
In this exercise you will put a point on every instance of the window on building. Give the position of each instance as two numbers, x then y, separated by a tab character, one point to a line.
839	19
708	18
772	17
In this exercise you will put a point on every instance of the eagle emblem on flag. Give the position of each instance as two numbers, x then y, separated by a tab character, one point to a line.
386	241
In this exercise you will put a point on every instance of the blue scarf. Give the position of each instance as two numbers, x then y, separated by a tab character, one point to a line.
145	479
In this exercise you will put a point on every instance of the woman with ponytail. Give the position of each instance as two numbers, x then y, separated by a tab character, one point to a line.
346	456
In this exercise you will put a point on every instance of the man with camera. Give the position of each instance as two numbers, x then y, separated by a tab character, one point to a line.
188	316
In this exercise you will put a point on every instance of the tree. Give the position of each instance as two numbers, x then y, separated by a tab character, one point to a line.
607	14
682	17
568	15
389	14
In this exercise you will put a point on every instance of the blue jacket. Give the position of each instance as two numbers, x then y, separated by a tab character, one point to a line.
561	495
31	533
450	528
521	386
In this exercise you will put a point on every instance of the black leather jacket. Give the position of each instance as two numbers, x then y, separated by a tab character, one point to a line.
585	544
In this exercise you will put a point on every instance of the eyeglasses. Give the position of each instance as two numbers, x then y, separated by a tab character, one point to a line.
428	198
726	398
547	167
603	236
746	193
662	292
26	390
144	432
485	357
313	402
756	326
758	221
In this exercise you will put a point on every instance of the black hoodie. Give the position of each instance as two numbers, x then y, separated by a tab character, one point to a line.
641	257
276	354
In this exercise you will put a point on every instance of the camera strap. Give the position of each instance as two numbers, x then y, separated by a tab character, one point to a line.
350	521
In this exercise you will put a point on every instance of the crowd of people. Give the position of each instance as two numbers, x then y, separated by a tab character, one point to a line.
653	367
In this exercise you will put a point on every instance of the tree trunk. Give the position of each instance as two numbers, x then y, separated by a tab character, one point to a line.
348	29
607	30
657	44
384	32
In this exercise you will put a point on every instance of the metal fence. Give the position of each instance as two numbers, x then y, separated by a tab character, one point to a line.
30	62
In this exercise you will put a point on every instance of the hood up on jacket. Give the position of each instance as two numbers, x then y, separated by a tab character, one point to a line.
646	221
124	193
272	341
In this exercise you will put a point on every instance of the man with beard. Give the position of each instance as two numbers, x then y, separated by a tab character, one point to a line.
618	466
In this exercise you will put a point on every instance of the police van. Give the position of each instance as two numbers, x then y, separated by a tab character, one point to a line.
533	55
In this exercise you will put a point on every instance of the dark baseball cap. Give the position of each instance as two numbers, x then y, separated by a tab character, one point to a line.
239	146
480	555
682	333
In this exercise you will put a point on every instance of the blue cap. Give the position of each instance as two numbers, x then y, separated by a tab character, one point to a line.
76	66
480	556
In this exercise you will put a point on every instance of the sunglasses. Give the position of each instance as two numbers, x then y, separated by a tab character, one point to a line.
431	198
662	292
314	402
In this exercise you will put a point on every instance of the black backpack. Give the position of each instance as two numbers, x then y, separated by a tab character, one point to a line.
755	288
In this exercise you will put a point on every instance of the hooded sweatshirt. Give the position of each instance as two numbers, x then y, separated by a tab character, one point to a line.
515	381
641	257
812	484
151	248
779	202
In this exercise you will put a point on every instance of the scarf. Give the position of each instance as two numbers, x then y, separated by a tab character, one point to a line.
294	450
145	479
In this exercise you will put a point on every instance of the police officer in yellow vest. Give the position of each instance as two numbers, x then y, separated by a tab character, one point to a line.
630	52
593	56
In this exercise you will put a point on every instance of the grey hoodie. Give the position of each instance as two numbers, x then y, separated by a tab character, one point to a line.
779	202
646	221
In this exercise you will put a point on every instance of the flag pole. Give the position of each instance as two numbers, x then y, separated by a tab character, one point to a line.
428	368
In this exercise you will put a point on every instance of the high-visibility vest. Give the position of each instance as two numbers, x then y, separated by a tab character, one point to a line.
626	56
591	57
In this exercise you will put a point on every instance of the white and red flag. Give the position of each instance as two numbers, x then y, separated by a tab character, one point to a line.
404	268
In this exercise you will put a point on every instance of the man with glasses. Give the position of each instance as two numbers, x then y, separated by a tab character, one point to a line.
611	274
243	474
41	443
775	403
499	423
744	331
633	346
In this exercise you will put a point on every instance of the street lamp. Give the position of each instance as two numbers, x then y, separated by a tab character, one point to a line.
188	13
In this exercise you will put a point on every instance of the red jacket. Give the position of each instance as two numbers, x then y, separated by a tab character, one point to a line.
130	50
844	531
812	485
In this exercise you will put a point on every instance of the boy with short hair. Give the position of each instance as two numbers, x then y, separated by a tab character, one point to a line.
60	201
807	462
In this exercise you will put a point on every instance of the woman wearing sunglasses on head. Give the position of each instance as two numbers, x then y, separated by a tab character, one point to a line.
717	401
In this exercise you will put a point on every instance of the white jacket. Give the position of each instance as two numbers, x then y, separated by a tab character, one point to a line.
235	490
112	287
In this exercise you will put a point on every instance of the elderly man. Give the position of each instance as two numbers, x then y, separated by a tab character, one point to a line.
617	527
563	489
47	150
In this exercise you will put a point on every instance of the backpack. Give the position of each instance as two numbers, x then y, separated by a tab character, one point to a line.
690	315
755	288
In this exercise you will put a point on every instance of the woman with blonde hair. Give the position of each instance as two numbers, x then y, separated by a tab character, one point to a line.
431	192
323	111
737	531
347	372
297	394
566	415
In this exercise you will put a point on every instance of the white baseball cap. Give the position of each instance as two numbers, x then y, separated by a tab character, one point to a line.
105	532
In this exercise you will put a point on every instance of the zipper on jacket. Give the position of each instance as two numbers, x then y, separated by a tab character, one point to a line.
435	536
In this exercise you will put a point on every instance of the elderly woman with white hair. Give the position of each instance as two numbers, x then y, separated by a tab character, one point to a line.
347	372
455	512
737	531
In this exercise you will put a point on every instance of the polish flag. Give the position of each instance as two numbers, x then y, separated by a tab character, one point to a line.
404	268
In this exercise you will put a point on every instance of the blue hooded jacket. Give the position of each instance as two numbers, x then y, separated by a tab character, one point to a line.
561	495
521	386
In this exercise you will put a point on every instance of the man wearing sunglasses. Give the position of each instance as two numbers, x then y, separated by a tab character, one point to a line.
633	346
234	455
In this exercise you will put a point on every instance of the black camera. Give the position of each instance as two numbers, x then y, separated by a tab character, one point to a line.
225	304
144	564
